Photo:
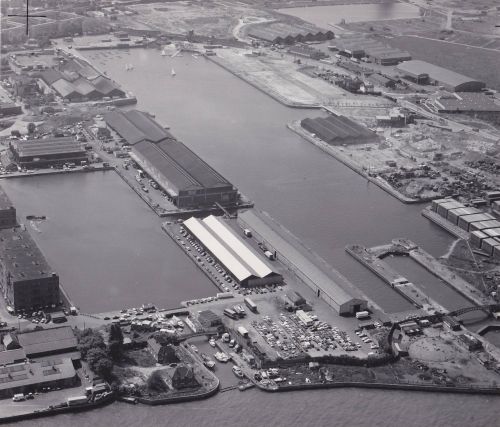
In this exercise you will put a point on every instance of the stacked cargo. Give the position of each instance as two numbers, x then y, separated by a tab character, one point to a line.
491	245
443	208
492	232
465	221
496	253
454	214
436	203
485	225
476	238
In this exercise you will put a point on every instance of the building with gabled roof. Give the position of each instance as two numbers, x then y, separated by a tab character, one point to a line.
48	341
179	171
239	259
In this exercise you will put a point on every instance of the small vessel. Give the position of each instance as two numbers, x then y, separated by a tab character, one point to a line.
212	342
237	371
210	364
173	73
245	386
221	357
35	217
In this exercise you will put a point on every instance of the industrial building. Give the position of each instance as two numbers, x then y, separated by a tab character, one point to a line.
359	46
41	153
28	376
27	281
281	33
48	342
338	130
329	284
239	259
478	105
423	72
54	24
181	173
7	211
10	109
75	80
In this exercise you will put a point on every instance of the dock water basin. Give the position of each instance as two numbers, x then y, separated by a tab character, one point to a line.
104	240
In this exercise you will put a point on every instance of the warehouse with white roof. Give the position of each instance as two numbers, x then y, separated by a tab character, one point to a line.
240	260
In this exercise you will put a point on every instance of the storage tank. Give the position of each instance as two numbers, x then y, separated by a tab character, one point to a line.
465	221
454	214
445	207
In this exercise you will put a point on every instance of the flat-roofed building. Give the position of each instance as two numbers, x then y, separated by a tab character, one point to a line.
240	260
179	171
27	281
32	376
327	283
7	211
423	72
40	153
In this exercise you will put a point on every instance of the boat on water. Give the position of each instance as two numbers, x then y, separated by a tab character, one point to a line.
210	364
173	73
237	371
211	341
245	386
35	217
221	357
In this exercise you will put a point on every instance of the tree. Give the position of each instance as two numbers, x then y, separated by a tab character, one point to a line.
156	382
104	368
31	128
96	354
115	333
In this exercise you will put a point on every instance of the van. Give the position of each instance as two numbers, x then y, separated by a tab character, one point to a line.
18	397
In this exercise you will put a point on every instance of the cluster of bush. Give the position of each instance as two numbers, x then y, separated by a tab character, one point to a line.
99	356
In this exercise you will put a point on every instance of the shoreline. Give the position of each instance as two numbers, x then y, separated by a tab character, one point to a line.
266	90
388	386
342	158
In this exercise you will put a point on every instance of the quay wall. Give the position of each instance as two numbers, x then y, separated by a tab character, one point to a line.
273	94
391	386
335	153
184	398
57	411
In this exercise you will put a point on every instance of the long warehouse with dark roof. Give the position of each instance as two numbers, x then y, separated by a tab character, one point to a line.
423	72
179	171
327	283
337	130
242	263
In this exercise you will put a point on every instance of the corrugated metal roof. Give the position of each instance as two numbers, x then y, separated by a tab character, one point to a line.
170	157
244	252
440	74
208	240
